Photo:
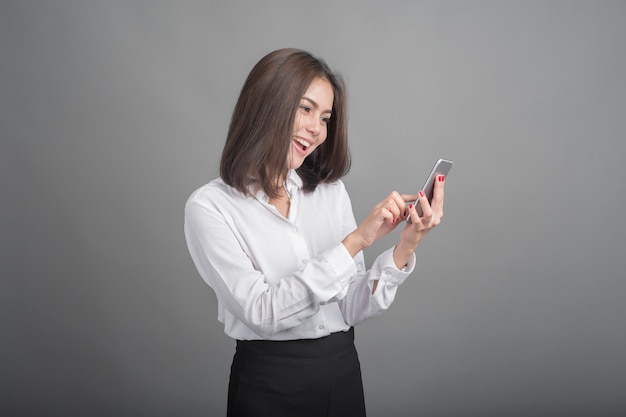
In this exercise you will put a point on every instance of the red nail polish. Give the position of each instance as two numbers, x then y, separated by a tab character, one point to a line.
410	206
421	193
443	178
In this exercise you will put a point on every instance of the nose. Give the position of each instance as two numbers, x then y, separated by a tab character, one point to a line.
313	125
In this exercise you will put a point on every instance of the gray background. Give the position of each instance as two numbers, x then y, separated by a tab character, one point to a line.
112	112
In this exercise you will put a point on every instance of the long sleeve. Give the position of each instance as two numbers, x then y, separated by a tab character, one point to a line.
285	278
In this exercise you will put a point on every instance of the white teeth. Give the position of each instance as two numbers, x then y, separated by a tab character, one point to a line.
303	142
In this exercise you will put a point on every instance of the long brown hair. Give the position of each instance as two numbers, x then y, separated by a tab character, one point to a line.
261	127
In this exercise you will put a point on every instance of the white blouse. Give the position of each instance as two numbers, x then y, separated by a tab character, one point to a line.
285	278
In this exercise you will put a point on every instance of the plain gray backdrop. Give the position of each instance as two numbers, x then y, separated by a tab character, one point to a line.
113	112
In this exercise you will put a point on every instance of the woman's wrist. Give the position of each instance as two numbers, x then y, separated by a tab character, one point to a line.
353	243
402	253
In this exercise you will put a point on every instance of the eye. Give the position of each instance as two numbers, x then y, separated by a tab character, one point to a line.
326	120
305	109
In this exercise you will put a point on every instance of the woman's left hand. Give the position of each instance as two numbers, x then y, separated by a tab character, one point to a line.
415	231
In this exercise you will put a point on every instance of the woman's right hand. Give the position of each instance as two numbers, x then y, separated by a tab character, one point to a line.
385	216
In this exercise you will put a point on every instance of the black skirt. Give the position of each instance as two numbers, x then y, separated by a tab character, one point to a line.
303	378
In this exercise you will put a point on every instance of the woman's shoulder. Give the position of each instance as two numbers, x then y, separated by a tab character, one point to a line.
213	192
333	190
336	186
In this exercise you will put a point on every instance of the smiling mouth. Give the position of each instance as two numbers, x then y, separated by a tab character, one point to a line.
304	145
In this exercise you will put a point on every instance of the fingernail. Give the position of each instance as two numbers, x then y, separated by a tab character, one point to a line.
443	178
421	193
410	206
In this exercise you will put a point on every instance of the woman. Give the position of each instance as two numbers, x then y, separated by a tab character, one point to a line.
275	238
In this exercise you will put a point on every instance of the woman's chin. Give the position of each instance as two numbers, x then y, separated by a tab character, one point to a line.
295	162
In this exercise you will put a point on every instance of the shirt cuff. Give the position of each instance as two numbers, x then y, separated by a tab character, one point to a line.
389	272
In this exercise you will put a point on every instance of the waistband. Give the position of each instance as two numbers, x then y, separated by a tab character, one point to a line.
301	348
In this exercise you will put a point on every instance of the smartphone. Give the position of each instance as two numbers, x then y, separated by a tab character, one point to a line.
442	167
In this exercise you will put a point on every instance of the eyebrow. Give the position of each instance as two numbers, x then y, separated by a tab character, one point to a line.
315	104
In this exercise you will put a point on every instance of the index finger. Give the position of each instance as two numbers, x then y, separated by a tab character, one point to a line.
409	198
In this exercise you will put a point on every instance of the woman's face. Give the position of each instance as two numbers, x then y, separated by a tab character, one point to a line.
310	126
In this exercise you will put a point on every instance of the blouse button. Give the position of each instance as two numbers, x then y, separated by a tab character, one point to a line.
321	327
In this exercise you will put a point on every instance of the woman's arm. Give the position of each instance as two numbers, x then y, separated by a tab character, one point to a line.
374	290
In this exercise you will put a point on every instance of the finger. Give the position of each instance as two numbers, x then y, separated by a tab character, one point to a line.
414	216
438	194
408	198
401	201
427	211
395	204
387	215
